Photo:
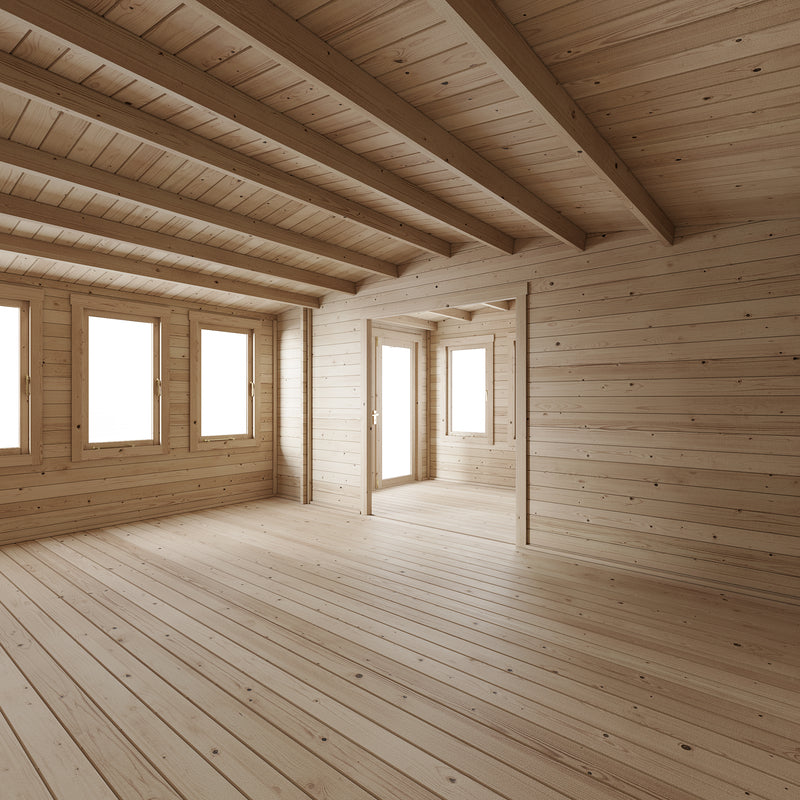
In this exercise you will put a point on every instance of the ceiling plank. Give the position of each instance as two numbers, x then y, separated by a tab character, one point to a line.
486	27
79	27
56	91
453	313
116	186
91	258
271	30
22	208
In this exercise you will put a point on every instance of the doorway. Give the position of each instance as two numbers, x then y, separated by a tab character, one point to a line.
407	474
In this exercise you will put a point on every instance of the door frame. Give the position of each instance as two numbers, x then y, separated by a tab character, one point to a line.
511	291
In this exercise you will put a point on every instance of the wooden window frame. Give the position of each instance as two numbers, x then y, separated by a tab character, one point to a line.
470	343
31	303
84	307
199	321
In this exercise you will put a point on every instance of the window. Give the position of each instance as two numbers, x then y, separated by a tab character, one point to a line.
470	389
223	395
20	375
117	378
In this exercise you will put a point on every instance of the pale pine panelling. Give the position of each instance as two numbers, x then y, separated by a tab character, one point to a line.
664	396
290	404
59	495
457	458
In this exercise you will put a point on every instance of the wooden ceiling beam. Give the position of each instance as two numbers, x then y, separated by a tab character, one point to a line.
32	81
485	26
406	321
129	266
499	305
453	313
116	186
79	27
22	208
269	29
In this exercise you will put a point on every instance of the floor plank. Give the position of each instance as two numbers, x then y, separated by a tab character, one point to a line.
276	650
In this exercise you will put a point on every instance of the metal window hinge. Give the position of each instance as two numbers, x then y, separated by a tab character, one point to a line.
252	388
27	385
158	387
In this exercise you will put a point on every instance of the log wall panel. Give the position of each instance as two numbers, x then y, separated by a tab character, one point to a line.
290	405
60	495
664	396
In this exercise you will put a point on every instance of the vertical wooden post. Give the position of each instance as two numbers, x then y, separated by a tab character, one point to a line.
367	428
276	421
306	335
521	415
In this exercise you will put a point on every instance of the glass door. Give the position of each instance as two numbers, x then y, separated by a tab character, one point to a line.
394	414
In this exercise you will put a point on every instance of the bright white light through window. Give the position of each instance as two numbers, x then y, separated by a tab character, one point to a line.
225	383
396	446
10	377
121	380
468	390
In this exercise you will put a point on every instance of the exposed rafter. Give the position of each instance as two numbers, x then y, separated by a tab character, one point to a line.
496	38
499	305
268	28
406	321
454	313
81	28
91	258
117	186
50	88
22	208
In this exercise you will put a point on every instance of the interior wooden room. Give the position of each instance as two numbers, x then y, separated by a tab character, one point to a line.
399	400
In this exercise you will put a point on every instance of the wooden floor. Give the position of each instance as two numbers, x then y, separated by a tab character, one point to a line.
271	650
485	511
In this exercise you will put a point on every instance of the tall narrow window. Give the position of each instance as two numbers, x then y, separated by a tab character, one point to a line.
468	395
470	390
13	378
123	370
20	375
119	405
223	392
226	383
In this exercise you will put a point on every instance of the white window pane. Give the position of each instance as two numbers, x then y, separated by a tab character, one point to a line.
224	385
468	390
10	377
121	380
396	405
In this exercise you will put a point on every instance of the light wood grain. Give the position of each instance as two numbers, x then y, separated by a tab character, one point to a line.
264	646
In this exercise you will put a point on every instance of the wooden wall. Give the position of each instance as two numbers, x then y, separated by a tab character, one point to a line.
60	496
664	396
468	460
289	464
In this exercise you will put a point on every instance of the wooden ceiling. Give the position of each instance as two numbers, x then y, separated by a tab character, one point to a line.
254	155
